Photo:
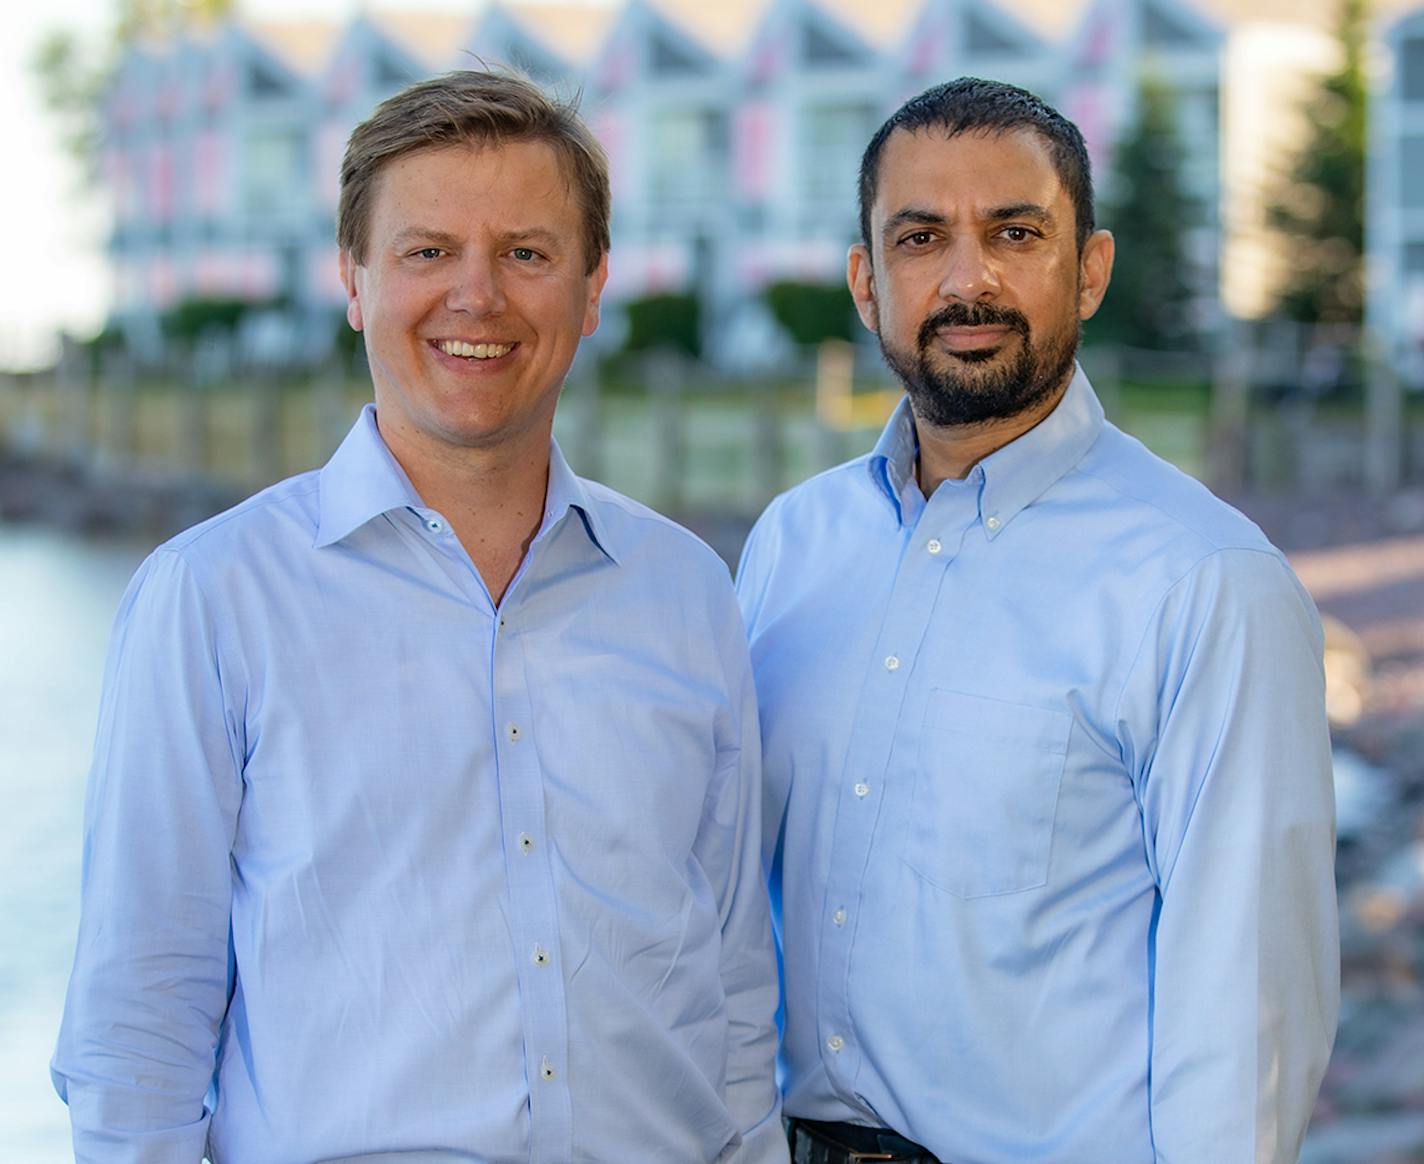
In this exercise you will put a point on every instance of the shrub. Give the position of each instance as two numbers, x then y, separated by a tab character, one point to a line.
812	312
666	320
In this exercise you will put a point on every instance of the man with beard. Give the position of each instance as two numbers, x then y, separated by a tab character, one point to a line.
1048	792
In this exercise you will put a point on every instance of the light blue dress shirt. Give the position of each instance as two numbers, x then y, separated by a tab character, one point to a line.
407	877
1048	790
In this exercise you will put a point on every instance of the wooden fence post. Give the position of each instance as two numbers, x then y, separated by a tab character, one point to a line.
1229	418
584	399
666	383
1384	422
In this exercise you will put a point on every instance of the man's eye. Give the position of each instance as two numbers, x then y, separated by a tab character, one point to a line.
918	239
1017	233
429	253
525	254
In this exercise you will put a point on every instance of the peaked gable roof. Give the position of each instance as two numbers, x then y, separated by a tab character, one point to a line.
723	27
303	46
573	32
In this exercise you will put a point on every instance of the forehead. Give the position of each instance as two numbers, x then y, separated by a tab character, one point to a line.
525	178
926	169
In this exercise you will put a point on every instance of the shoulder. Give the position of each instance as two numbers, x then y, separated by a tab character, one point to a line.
264	534
282	511
1162	512
645	539
824	500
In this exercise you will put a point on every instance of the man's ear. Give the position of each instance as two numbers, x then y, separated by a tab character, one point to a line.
861	280
1094	272
595	294
348	268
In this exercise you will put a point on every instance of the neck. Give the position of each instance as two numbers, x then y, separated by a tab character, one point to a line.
950	452
493	498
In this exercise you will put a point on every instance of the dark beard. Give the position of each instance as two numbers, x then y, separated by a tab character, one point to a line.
947	396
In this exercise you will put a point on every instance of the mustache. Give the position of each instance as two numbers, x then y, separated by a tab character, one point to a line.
972	315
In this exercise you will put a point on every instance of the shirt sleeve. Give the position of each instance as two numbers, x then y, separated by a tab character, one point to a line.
1234	778
137	1045
728	847
753	576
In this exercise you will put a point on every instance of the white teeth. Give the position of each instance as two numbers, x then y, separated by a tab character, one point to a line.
474	351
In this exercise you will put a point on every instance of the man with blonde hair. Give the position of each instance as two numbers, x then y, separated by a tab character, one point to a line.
423	821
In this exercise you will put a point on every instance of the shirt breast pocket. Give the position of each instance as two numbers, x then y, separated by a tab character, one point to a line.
985	794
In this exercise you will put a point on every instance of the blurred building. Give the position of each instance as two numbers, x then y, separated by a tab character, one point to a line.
734	131
1394	212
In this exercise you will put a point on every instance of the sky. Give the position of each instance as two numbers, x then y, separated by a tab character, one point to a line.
55	276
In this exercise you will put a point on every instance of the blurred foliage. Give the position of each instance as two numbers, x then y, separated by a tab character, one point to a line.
1149	304
812	312
670	319
1320	208
73	74
140	17
186	321
71	83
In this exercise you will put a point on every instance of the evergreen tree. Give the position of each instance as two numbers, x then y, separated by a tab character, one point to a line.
1149	211
1320	209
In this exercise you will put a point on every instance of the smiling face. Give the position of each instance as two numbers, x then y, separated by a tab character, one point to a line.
975	286
473	296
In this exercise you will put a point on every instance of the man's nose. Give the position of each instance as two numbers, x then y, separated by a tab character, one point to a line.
476	287
969	274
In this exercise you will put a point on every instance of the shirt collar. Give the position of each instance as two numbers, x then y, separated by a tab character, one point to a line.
893	460
1014	476
569	491
363	480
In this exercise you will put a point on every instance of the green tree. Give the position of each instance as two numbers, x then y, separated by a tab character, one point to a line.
1149	211
1320	207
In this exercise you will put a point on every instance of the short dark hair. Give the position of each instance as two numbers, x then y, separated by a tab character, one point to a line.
973	105
475	108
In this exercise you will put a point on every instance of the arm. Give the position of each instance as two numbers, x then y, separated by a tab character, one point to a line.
137	1046
753	574
728	847
1238	808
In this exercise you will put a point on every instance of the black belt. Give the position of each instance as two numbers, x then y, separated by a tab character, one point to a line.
817	1142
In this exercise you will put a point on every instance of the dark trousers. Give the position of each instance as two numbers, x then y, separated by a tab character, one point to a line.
813	1142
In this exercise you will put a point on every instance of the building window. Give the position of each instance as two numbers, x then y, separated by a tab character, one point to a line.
687	155
1411	172
274	173
1411	69
831	143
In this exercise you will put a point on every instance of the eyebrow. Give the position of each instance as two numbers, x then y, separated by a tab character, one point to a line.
421	234
920	216
912	216
1040	214
432	237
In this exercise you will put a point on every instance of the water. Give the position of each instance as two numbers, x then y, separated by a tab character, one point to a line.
58	595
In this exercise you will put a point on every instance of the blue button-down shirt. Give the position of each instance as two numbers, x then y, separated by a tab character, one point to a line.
406	876
1048	790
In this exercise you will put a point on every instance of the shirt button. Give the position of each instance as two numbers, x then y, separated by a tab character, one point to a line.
526	842
512	731
892	662
835	1042
993	523
934	545
434	525
862	790
839	917
541	956
546	1070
